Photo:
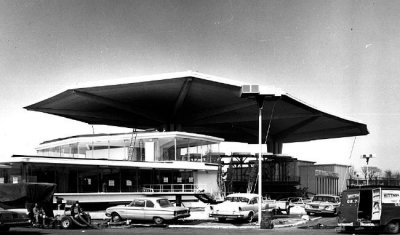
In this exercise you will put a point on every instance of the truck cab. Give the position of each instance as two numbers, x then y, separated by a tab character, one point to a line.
370	207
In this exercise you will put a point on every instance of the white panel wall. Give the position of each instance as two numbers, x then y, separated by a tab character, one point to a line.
113	154
149	151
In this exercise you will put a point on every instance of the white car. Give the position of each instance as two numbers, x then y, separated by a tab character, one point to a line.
323	204
149	208
242	206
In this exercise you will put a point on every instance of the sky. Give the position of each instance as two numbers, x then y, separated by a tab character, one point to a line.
341	57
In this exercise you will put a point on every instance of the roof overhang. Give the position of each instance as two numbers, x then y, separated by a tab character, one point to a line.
166	165
197	103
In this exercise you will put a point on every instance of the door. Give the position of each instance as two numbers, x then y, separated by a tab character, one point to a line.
135	210
149	211
348	210
376	204
253	204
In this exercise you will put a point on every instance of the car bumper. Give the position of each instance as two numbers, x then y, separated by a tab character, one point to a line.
229	216
358	224
15	223
182	216
319	211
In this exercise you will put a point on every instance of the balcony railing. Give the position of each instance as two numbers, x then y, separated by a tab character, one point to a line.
373	181
162	188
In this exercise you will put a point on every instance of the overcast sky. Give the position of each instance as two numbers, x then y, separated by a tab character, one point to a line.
339	56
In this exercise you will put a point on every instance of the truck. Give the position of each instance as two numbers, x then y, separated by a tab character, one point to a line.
370	207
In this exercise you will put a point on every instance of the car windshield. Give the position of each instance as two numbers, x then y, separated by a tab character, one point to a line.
164	203
237	199
323	199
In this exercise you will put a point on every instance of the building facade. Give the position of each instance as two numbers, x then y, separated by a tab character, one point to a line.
324	178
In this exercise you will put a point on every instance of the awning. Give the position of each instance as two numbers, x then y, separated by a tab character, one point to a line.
197	103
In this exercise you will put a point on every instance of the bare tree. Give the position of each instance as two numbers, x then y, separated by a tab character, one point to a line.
396	175
373	172
388	174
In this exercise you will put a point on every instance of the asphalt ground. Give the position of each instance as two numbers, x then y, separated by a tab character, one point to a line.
200	219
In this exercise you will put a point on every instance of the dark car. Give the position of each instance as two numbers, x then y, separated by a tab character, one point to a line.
12	219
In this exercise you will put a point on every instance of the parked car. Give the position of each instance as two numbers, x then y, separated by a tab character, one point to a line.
243	206
295	201
323	204
12	219
150	208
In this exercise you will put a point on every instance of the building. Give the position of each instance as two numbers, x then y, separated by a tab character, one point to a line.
118	167
324	178
198	107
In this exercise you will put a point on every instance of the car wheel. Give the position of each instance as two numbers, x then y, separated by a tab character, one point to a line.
221	219
250	217
158	220
115	217
392	227
66	222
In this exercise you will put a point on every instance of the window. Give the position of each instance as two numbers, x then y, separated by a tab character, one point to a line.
149	203
237	199
139	203
164	203
253	201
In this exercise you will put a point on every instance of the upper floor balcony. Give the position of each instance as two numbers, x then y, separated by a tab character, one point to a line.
138	146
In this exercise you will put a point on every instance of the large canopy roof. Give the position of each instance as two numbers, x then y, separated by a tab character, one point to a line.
198	103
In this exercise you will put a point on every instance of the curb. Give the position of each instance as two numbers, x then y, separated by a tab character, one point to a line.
243	227
296	224
257	227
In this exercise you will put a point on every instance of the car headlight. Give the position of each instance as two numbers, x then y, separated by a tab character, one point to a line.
329	208
307	206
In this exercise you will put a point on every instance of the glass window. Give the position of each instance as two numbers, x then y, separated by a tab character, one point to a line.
254	201
139	203
237	199
149	203
164	203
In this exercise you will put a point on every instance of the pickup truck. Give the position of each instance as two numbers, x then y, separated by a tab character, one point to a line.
278	206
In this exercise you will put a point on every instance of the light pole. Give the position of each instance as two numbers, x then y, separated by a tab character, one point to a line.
253	91
260	104
367	157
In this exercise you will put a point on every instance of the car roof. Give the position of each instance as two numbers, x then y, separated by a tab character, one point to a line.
248	195
149	198
325	195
